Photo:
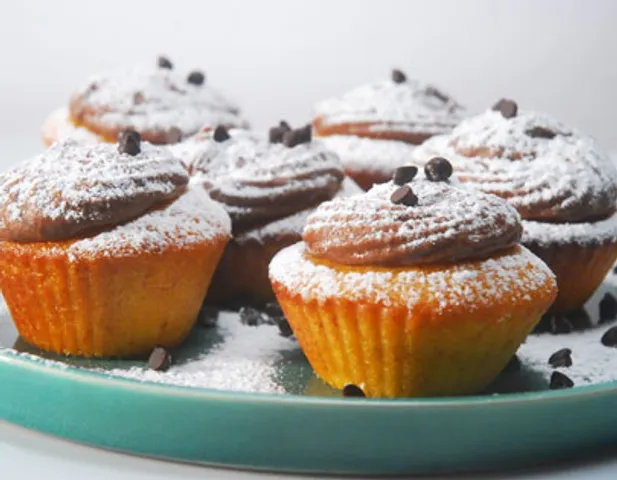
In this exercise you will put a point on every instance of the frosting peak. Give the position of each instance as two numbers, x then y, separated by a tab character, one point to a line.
447	223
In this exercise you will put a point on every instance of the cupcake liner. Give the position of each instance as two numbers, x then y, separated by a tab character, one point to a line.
579	270
105	306
396	352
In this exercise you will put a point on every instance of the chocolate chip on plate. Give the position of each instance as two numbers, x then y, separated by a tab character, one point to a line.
508	108
221	134
609	339
285	126
284	327
560	381
196	78
276	133
398	76
608	308
438	169
208	316
251	316
541	132
513	365
297	136
404	174
351	390
404	196
561	358
579	319
615	270
129	142
159	360
164	62
273	309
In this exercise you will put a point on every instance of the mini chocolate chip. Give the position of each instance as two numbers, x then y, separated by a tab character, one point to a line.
221	134
207	316
275	134
541	132
297	136
404	196
404	174
398	76
351	390
609	339
284	327
285	126
513	365
129	142
164	62
432	91
159	360
560	381
608	308
251	316
508	108
196	78
438	169
273	309
561	358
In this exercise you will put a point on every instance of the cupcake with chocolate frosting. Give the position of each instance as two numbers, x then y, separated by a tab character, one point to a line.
375	128
105	250
162	104
268	187
562	184
415	288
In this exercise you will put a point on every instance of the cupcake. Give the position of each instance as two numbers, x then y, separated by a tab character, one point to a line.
268	186
375	128
411	289
562	184
160	103
104	250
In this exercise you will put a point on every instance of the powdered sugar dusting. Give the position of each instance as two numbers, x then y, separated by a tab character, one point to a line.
156	99
585	233
411	104
368	154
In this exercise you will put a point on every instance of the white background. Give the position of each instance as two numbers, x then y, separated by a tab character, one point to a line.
277	57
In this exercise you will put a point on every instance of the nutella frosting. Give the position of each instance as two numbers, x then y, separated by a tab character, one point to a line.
548	171
259	182
448	223
162	104
71	189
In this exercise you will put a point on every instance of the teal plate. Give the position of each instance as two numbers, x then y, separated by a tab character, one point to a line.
245	397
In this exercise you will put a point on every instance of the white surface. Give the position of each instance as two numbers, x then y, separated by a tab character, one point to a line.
26	455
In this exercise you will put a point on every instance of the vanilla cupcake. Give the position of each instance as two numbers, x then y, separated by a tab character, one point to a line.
104	250
562	184
268	187
375	128
415	288
160	103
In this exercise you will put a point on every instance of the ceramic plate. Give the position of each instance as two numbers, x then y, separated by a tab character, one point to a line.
246	397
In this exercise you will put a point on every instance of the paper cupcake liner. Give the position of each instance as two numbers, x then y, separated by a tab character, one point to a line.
105	306
579	269
390	352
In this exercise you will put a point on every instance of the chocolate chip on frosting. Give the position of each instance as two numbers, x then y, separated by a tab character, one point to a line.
164	62
276	133
221	134
196	78
508	108
297	136
541	132
129	142
438	169
404	174
404	196
398	76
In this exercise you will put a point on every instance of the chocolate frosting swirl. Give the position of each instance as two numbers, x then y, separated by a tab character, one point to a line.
449	223
158	103
546	170
259	182
73	189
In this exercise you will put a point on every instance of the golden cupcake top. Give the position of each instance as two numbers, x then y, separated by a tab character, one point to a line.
160	102
548	171
260	180
72	190
412	221
395	109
